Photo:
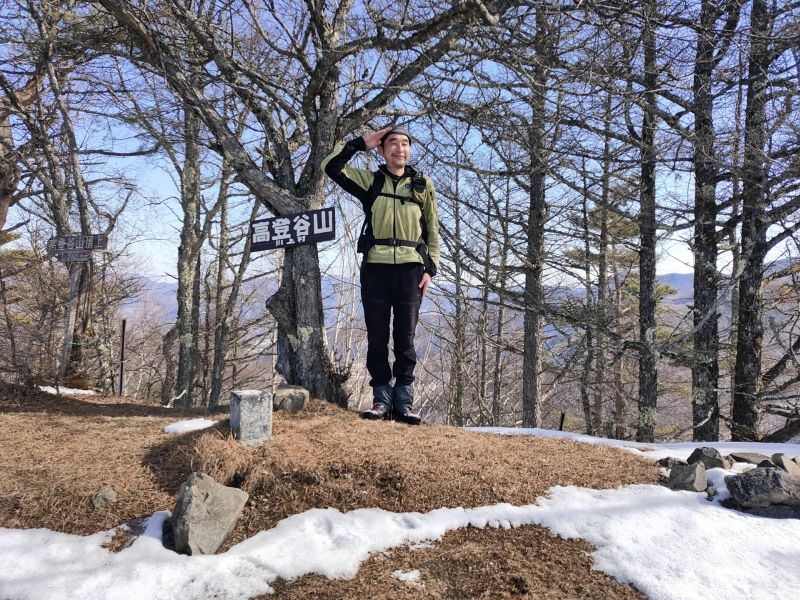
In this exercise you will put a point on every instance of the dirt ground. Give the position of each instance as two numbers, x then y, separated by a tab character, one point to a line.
58	452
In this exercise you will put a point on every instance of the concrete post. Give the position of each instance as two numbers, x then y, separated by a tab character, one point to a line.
251	417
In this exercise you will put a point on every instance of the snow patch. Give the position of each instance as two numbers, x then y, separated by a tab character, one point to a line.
407	576
190	425
65	391
680	450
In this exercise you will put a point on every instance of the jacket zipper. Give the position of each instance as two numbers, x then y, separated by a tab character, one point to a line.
394	219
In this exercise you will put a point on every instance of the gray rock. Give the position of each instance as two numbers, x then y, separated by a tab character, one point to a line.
291	398
775	511
671	461
748	457
205	514
710	457
688	477
251	417
711	492
787	463
764	486
104	498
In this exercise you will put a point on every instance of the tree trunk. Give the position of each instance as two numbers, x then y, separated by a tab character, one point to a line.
537	215
168	350
204	353
735	245
456	416
9	173
746	413
71	349
602	264
185	326
648	369
705	367
22	370
483	334
534	294
220	311
104	338
591	413
303	357
497	374
620	402
224	312
195	365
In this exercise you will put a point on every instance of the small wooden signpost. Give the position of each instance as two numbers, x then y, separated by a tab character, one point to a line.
73	249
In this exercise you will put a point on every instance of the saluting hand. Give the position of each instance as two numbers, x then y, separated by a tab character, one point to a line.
373	140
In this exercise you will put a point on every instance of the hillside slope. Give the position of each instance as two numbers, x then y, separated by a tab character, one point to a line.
58	452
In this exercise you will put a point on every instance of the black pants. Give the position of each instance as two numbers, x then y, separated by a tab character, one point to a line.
387	289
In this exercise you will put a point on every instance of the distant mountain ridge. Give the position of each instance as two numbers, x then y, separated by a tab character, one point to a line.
164	292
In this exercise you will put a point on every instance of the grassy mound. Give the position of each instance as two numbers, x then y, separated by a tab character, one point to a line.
58	452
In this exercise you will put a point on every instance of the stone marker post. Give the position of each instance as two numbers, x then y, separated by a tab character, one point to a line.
251	416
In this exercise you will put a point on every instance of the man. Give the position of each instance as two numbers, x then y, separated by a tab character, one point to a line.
400	243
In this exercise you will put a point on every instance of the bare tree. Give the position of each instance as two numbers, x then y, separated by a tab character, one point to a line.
300	123
766	46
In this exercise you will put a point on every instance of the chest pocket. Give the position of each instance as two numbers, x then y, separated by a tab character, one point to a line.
419	190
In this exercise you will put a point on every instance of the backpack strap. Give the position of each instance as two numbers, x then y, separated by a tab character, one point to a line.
366	239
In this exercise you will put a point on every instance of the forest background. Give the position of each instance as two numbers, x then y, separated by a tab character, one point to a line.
573	145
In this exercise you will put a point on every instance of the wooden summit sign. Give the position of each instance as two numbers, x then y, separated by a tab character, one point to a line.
76	248
311	227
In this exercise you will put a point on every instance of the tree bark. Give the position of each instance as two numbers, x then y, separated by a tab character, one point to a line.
750	332
168	351
534	294
9	172
481	385
537	215
220	312
648	368
591	411
705	367
224	312
497	373
456	412
303	357
188	262
603	291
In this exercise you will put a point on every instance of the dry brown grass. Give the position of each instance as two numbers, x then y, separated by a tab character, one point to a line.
526	562
58	452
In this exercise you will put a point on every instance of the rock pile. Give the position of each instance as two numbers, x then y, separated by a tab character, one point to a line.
773	484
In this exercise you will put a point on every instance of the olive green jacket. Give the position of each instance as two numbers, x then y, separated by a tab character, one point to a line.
398	212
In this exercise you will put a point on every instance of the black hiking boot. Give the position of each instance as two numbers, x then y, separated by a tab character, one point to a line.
408	415
377	412
381	403
403	399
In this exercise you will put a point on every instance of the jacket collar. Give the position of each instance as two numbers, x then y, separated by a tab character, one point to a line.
409	172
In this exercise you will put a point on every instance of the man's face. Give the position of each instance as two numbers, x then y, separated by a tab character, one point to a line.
396	150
